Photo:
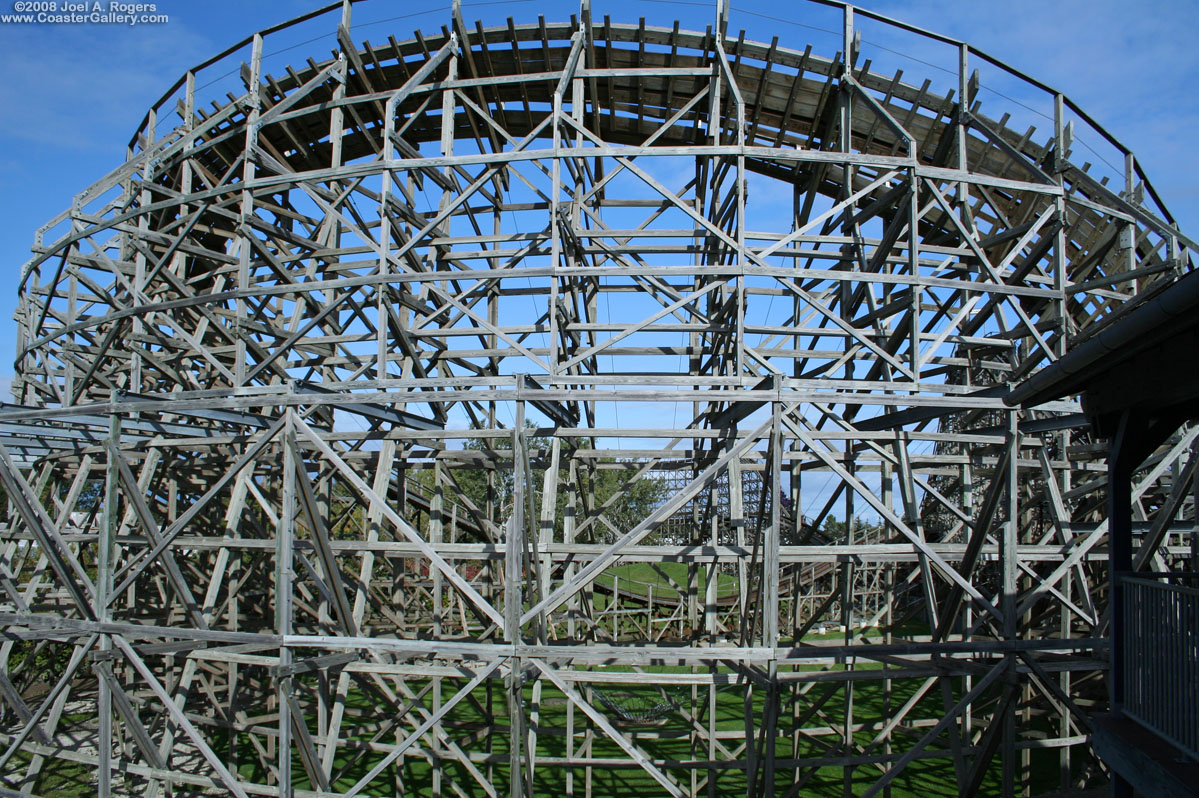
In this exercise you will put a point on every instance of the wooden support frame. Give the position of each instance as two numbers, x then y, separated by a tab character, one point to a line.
413	422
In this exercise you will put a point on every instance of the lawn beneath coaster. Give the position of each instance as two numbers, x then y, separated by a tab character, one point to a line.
665	741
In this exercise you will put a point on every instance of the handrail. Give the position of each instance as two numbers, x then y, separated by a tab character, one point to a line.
1161	660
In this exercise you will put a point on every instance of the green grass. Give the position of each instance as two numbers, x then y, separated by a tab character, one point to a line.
415	772
637	577
61	778
924	778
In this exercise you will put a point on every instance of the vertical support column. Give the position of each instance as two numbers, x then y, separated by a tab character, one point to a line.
963	165
186	173
737	522
576	286
568	537
914	262
575	258
139	262
886	575
770	558
246	210
337	131
1060	279
1128	231
514	552
747	621
1120	465
545	533
449	104
960	130
1009	594
914	272
555	221
1060	254
382	295
543	563
436	537
1066	626
967	494
1195	518
739	188
770	599
845	98
695	342
284	576
104	585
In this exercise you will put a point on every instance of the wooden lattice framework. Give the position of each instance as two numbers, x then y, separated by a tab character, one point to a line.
240	548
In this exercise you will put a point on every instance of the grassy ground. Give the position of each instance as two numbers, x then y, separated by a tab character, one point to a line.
637	577
924	778
485	731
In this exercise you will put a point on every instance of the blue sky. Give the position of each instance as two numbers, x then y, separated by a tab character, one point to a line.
71	95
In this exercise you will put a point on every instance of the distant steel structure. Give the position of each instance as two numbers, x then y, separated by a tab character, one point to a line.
332	401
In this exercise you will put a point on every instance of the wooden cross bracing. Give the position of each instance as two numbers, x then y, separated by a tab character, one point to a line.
383	428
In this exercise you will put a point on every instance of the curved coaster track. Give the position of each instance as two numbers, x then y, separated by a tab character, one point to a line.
346	405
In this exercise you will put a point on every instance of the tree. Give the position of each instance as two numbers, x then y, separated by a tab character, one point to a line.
599	480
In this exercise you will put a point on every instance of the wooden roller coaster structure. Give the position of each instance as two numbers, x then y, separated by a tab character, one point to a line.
333	399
